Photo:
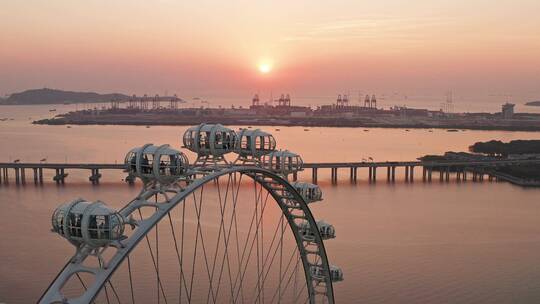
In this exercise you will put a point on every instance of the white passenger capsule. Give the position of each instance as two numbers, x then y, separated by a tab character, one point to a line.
326	231
157	163
336	274
282	162
210	142
309	192
251	145
90	223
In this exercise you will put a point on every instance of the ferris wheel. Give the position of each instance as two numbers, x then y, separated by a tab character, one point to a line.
211	232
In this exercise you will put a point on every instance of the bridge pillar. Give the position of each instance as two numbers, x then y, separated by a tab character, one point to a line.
424	174
441	174
35	175
374	174
23	176
314	175
430	173
352	174
464	175
6	175
63	174
40	170
94	178
56	177
407	174
458	175
411	174
393	173
388	174
355	174
370	173
447	177
17	178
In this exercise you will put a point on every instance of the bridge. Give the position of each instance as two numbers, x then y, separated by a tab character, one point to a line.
478	169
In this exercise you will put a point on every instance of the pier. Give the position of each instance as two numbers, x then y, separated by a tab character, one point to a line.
461	171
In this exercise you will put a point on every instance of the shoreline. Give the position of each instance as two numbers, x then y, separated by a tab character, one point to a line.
290	123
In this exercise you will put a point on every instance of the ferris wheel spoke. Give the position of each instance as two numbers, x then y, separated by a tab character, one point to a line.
114	292
226	238
242	275
160	285
198	211
194	254
235	197
222	206
297	297
130	280
282	277
182	252
82	283
182	278
278	247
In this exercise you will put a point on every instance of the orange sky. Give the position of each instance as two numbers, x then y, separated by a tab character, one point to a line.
215	47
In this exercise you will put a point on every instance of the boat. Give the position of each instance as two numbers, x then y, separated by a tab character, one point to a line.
407	130
52	110
277	130
306	129
366	130
452	130
69	127
147	127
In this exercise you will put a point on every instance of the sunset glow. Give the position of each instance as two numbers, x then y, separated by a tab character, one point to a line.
265	68
466	46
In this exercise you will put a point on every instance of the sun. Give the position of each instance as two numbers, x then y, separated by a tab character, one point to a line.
265	68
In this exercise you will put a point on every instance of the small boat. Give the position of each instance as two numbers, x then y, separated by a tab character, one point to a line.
366	130
277	130
52	110
306	129
407	130
147	127
452	130
249	127
69	127
430	131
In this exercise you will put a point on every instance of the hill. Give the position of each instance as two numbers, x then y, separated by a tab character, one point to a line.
497	147
533	103
52	96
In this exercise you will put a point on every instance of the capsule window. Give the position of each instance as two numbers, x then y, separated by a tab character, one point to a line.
147	163
74	224
98	227
58	221
131	160
245	143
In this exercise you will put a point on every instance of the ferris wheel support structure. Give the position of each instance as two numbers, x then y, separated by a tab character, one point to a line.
293	206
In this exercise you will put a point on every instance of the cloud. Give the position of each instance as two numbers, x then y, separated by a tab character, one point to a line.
368	28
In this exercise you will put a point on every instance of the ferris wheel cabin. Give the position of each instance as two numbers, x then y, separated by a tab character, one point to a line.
210	141
90	223
251	145
157	163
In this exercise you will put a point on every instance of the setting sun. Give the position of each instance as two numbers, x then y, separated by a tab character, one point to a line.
265	68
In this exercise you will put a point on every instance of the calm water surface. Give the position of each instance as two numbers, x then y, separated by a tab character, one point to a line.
400	243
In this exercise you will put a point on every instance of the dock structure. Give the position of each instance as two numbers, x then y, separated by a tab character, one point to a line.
477	171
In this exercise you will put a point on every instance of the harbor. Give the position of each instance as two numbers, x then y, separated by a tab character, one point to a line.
343	112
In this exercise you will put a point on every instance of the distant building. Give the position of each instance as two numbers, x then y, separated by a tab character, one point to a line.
508	110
